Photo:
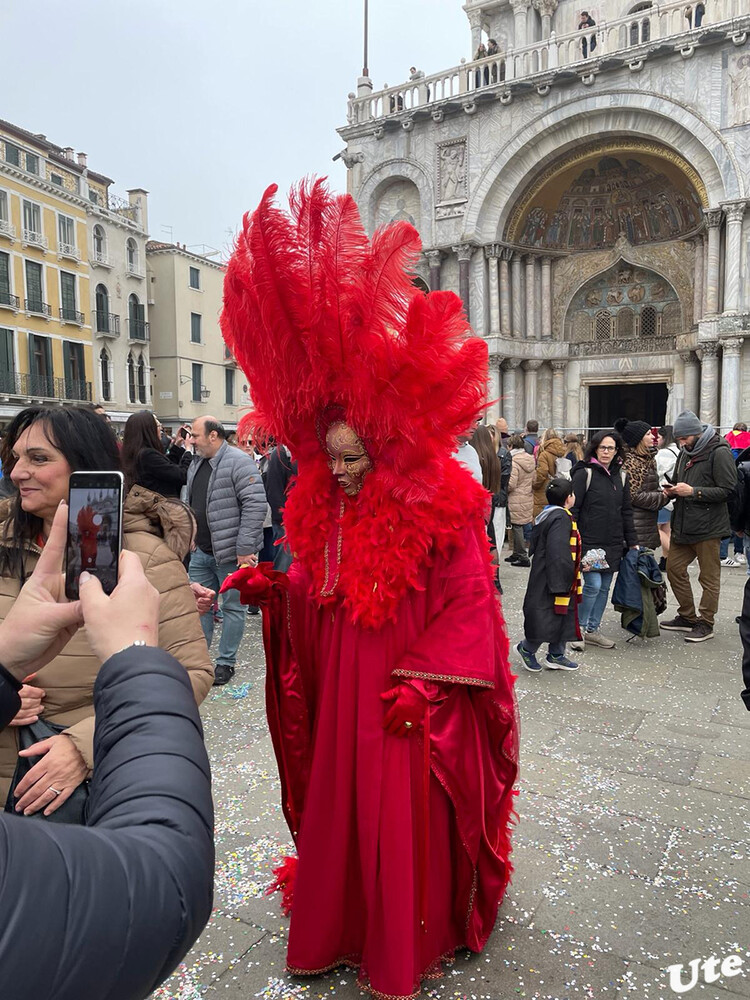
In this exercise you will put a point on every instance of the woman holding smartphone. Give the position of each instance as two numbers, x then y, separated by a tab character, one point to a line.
144	461
40	450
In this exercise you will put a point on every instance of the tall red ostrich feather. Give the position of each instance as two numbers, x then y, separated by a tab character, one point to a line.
319	317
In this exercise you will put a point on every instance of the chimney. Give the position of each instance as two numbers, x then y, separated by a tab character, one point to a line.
138	199
68	152
83	160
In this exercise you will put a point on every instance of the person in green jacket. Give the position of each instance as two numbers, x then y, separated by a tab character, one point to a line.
703	480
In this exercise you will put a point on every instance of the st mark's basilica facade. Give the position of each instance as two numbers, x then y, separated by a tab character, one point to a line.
585	190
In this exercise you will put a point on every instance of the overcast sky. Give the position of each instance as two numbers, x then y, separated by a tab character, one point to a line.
206	102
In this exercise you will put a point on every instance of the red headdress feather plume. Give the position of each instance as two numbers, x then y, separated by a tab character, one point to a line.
319	316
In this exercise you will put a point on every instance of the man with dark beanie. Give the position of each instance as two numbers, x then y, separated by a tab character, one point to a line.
703	480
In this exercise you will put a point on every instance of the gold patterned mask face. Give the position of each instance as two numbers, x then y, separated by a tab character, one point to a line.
347	458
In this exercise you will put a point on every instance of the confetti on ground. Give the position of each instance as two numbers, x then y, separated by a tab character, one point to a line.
630	852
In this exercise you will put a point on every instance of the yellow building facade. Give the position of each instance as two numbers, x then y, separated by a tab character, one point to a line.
45	315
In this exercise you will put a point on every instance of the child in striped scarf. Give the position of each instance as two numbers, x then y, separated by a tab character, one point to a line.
555	583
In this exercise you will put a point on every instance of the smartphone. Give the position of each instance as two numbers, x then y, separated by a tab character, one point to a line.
183	432
94	529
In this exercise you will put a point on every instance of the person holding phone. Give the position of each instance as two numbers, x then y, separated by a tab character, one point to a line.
116	905
144	461
43	446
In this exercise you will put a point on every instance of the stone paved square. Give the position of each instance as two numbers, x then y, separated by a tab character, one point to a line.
631	850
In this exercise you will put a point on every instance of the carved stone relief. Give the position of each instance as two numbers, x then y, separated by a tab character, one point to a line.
399	202
739	91
673	261
452	171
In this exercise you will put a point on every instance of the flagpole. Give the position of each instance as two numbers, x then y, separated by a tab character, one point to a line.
365	70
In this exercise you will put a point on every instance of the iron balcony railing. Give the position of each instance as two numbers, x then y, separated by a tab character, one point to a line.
37	307
138	330
100	257
70	315
9	301
44	386
107	324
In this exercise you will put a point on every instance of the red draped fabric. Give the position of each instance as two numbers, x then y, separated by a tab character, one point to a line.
355	796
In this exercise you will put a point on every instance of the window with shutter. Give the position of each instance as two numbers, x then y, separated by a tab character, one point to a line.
68	295
34	295
5	278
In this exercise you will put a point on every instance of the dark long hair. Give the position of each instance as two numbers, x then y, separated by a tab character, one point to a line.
490	463
88	444
619	456
667	434
140	432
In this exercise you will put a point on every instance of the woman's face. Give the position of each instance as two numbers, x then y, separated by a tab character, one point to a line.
347	458
41	472
606	450
659	441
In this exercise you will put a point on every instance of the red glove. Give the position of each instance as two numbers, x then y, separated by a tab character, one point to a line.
409	706
255	583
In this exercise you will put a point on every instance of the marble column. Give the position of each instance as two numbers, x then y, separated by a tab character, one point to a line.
518	305
493	389
520	18
558	394
713	221
546	298
676	394
530	298
464	251
691	381
546	9
531	369
573	401
730	383
491	254
734	212
505	256
698	280
433	260
709	407
510	412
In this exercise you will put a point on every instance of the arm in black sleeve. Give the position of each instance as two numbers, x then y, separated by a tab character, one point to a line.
118	903
159	467
10	701
559	562
578	481
745	638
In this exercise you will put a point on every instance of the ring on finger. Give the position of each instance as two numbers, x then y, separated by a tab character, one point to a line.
408	725
57	791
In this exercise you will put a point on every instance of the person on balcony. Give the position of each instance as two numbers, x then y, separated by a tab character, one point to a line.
481	53
587	44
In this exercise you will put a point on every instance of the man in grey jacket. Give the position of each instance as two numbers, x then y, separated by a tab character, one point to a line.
226	493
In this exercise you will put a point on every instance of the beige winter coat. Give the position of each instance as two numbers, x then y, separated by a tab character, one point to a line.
160	530
520	496
545	470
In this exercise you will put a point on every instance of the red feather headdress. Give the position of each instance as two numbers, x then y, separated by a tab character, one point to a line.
323	320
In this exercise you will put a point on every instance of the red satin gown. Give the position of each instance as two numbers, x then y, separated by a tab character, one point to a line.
390	880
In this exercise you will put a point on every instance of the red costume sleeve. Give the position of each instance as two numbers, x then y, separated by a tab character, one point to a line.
457	646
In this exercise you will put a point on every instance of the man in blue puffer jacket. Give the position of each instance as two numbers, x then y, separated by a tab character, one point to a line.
107	911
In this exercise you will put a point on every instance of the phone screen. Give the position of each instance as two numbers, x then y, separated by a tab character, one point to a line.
94	529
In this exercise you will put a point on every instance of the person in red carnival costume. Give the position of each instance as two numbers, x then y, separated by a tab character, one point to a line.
88	535
389	696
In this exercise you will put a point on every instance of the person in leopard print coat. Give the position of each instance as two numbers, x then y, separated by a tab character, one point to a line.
640	464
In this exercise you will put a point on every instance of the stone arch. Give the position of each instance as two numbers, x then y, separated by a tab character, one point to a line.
635	291
385	174
606	114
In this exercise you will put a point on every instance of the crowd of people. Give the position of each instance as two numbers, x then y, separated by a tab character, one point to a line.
632	489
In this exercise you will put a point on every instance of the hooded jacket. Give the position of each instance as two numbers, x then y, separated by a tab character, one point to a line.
553	572
603	511
645	495
711	471
160	531
546	460
520	487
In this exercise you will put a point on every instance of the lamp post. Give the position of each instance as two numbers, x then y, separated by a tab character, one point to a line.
365	69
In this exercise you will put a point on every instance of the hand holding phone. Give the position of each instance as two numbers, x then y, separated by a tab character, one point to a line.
94	538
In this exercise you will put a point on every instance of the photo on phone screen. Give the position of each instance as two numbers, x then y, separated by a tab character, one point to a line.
94	529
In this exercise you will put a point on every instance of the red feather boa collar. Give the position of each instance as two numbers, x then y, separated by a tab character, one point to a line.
368	551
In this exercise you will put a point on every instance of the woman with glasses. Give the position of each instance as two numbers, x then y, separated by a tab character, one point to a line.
604	515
